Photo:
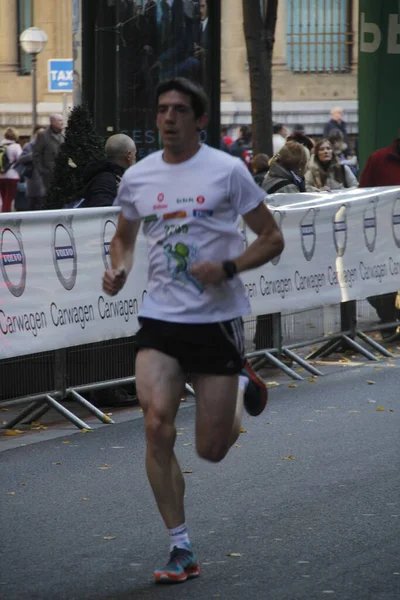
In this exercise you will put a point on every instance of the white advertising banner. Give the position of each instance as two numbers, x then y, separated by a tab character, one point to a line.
339	247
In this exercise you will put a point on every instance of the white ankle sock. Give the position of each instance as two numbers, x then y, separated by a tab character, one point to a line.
179	537
243	382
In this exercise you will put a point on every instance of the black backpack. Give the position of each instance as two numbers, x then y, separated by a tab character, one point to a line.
5	163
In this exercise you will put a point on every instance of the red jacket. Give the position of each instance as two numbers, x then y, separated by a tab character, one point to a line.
383	167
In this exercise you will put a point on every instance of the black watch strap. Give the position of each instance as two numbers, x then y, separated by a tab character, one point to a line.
230	269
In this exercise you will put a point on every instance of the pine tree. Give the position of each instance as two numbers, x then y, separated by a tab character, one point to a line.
81	145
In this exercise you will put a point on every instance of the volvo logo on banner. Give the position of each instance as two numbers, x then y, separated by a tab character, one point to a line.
108	229
278	216
396	222
64	253
340	230
12	257
370	226
308	234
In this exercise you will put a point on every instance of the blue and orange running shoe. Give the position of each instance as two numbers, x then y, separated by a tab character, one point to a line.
182	565
256	395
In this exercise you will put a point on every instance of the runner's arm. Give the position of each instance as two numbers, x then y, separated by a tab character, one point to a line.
269	242
121	254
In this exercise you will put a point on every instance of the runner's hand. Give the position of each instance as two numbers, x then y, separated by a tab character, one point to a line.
113	281
208	273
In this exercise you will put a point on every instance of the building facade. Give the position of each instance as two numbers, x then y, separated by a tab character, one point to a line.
314	65
55	18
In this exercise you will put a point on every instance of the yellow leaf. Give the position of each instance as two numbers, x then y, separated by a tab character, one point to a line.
39	428
292	385
4	410
299	370
371	382
187	471
290	457
179	433
391	409
11	493
188	444
66	442
243	430
11	432
353	411
234	554
378	368
110	537
272	384
56	463
238	446
311	379
380	408
104	467
84	499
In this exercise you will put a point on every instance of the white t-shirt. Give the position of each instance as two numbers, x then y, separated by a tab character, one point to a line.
190	213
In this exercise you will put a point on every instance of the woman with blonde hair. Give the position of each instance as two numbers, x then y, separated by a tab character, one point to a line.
326	172
11	149
286	170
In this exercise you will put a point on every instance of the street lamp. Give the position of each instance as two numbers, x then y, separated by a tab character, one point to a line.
33	40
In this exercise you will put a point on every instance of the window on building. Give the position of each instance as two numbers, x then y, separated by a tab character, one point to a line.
24	20
319	36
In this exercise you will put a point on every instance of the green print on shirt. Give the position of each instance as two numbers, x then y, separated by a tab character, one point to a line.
180	259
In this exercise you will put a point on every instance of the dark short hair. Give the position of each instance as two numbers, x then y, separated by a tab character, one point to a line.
189	88
276	128
298	128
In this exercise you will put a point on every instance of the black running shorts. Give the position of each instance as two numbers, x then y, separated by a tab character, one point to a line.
203	348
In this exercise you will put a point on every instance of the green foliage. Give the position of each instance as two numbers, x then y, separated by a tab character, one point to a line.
82	145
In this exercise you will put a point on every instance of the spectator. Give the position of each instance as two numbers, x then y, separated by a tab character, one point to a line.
259	166
325	171
241	147
9	179
35	190
279	137
336	122
304	140
101	178
298	129
383	169
226	138
336	139
286	170
46	149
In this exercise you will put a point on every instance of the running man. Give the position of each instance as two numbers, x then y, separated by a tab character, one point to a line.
189	197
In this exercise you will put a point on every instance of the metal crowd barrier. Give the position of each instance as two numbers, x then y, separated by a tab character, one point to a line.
47	380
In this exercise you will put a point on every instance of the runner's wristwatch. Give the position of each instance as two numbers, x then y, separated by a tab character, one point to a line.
230	269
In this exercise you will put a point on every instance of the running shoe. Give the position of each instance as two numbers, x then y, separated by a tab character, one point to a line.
182	565
255	395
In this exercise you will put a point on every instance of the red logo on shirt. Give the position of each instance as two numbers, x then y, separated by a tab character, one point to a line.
200	200
160	197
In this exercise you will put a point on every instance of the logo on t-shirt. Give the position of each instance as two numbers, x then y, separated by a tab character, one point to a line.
160	205
200	200
202	213
184	200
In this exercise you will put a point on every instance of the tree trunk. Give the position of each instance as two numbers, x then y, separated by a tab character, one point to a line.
259	31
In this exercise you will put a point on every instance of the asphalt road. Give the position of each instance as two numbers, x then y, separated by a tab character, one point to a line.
309	500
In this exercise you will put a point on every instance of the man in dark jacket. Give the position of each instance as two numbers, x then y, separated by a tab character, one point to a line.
336	122
46	148
101	178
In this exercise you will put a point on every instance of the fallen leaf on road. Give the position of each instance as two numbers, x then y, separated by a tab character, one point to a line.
87	430
188	444
391	409
110	537
308	420
371	382
372	401
85	499
11	432
40	428
292	385
290	434
378	368
311	379
187	471
272	384
238	446
104	467
66	442
243	430
299	370
234	554
353	411
380	408
4	410
56	463
179	433
290	457
11	493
